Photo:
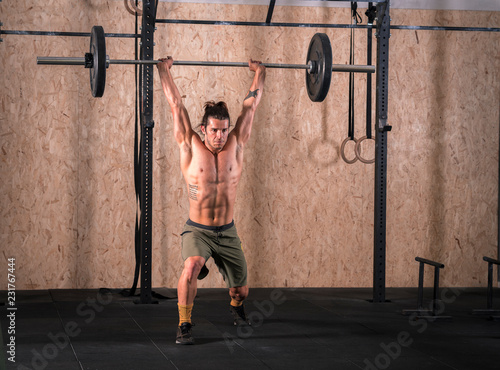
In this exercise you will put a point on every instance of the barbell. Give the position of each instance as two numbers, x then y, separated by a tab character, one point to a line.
319	65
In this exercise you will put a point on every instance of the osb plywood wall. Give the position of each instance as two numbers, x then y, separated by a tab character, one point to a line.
305	216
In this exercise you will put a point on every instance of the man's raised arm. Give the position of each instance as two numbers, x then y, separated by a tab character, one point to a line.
243	126
182	126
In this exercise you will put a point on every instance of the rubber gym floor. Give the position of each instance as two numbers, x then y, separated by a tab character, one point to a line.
306	328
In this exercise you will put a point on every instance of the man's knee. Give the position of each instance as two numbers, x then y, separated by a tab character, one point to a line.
192	267
239	293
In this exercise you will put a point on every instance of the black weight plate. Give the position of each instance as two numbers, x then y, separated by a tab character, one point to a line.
98	70
320	54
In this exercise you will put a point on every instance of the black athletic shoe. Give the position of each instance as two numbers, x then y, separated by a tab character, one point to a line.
239	315
184	335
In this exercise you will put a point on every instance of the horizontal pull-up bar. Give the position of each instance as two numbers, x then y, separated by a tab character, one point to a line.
325	25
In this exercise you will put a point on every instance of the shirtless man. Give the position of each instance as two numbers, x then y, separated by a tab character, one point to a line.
212	169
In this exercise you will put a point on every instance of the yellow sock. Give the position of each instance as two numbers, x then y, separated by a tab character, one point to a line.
236	303
185	313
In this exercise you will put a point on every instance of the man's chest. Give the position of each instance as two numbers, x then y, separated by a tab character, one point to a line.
215	168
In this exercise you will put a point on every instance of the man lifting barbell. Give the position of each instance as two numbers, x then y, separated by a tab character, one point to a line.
212	169
319	65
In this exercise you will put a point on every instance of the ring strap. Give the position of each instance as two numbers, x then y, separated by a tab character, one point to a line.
370	13
350	132
369	86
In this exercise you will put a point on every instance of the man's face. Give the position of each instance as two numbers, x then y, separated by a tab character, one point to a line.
216	134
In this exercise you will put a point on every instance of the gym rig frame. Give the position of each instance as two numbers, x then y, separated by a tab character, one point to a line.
147	124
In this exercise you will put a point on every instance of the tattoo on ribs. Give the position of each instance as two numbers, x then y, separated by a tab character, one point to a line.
252	94
193	192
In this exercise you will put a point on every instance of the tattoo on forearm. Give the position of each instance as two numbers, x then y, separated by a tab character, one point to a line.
252	94
193	192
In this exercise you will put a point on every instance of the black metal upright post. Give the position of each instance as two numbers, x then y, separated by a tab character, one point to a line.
379	248
147	44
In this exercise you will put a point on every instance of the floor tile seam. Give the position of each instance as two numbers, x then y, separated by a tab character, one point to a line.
149	337
313	340
353	360
346	318
416	352
70	343
403	356
442	362
359	320
316	342
353	363
226	336
420	352
247	350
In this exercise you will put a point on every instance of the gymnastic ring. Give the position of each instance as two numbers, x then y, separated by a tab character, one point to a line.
131	8
357	150
342	151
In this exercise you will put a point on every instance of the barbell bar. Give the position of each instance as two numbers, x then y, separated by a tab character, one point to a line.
319	65
81	62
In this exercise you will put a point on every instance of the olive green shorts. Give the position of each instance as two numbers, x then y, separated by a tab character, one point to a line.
222	244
